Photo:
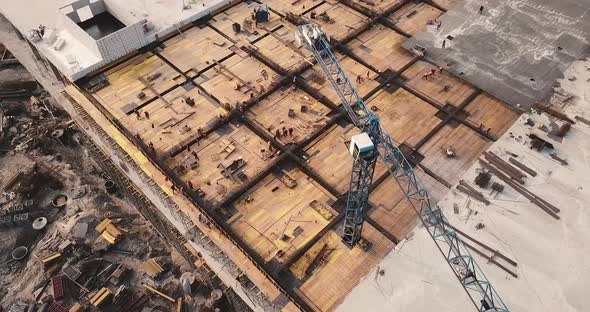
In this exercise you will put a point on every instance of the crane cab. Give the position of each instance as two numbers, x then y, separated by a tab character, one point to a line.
361	146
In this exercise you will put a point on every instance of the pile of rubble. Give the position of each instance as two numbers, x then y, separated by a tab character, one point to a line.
69	239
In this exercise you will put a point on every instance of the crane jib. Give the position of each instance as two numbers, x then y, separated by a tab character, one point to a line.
459	259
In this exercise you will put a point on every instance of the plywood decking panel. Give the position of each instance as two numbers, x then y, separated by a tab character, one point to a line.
377	5
345	20
272	114
448	4
207	176
125	84
392	211
380	46
412	17
467	144
328	156
276	211
434	87
284	51
172	124
293	6
219	81
492	113
196	48
344	269
406	117
238	14
352	70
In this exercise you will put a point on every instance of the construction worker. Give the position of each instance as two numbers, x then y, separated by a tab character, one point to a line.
481	10
190	184
444	43
425	76
440	69
264	74
359	79
147	115
277	134
438	25
138	114
285	131
195	155
290	131
151	146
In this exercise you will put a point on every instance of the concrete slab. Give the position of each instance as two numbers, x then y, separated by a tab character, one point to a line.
552	267
515	50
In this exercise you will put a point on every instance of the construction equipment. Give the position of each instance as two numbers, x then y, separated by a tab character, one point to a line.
374	142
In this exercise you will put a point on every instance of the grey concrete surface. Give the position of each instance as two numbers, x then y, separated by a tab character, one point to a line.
515	50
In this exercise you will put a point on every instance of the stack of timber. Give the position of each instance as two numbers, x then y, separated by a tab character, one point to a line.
541	203
491	258
471	191
507	168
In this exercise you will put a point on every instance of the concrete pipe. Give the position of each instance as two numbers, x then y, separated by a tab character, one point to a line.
110	186
59	201
19	252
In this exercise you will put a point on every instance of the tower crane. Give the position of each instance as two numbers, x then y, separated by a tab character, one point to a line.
374	142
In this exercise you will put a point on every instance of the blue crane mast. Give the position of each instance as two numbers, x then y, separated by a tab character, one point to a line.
374	142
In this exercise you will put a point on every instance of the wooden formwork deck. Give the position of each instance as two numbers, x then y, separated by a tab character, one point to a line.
448	4
222	81
277	218
329	157
131	78
466	144
381	47
343	268
409	117
377	6
392	211
413	17
280	47
342	20
352	68
223	146
272	114
491	113
285	228
196	48
441	87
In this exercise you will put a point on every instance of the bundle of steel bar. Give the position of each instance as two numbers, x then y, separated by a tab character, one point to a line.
583	120
522	167
495	253
471	191
510	170
541	203
553	112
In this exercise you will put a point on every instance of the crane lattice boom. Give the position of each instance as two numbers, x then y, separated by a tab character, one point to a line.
374	142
